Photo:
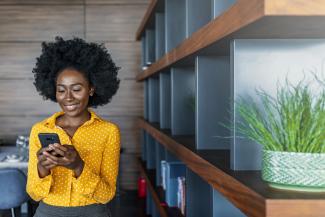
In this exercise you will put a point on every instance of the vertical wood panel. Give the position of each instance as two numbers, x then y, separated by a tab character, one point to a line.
19	97
117	1
127	101
127	56
41	2
39	22
129	174
18	59
130	134
11	126
113	23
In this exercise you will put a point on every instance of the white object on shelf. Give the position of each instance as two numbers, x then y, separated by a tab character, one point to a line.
181	194
163	173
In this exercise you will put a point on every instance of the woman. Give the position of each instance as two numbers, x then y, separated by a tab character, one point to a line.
78	176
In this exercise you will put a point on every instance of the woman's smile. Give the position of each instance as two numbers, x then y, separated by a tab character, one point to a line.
71	107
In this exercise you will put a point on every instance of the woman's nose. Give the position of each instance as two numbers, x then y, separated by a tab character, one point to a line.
69	96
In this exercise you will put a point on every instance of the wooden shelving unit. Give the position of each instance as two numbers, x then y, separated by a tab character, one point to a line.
245	189
245	19
194	73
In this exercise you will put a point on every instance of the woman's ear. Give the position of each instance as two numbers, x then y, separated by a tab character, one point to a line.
91	91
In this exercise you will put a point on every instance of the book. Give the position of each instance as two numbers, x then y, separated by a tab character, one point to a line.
163	173
181	194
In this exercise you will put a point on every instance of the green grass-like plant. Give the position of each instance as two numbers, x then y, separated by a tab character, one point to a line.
292	121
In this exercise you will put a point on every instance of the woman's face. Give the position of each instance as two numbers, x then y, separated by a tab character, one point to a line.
72	92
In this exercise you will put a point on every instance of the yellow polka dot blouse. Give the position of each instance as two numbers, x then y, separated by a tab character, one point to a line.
98	144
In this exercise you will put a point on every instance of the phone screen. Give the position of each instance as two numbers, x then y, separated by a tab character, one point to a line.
48	138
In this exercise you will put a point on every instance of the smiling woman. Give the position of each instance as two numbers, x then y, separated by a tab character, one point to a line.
78	176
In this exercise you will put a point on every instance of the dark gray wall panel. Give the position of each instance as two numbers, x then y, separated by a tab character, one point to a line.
160	35
182	93
150	46
212	102
175	24
143	53
165	100
220	6
198	195
222	207
153	94
150	152
143	145
198	13
146	99
160	155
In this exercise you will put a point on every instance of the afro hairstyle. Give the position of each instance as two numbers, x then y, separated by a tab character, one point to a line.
90	59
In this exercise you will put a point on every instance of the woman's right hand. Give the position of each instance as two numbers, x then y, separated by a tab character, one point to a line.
44	164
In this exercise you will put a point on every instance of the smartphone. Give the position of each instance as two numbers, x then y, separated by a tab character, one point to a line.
49	138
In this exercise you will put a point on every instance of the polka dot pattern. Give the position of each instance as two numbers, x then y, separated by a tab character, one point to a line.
98	144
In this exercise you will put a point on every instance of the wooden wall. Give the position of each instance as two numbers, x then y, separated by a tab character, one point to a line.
24	24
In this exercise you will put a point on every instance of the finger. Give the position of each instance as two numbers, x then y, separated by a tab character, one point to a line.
40	151
50	161
41	158
57	150
58	154
46	163
63	161
46	149
50	156
61	147
57	160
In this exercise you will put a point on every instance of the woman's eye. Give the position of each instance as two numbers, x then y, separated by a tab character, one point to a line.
76	90
60	91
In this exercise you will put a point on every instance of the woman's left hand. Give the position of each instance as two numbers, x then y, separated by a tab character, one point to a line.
69	158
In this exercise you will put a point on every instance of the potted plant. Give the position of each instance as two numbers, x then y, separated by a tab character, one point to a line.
291	128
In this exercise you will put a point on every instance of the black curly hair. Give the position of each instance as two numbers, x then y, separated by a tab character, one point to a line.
91	59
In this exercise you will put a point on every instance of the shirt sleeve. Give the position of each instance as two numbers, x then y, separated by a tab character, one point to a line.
37	188
102	187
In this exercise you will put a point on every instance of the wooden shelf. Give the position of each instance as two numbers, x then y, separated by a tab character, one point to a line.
146	19
245	189
157	192
245	19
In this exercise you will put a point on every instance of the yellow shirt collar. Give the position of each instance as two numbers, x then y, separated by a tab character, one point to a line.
51	120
